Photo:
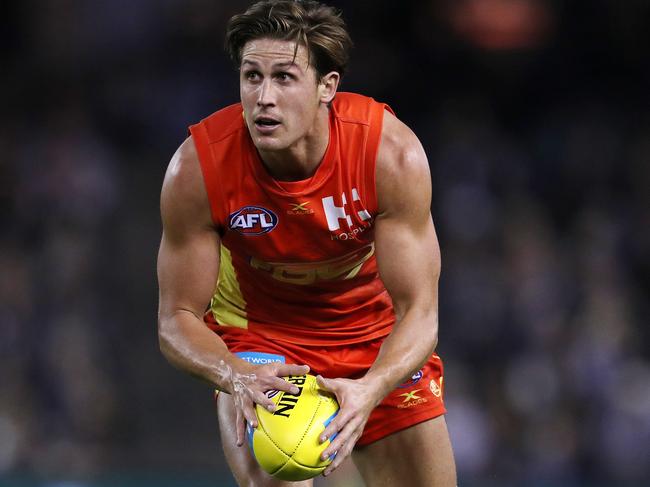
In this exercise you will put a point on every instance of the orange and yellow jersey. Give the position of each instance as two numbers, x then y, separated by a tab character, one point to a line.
297	258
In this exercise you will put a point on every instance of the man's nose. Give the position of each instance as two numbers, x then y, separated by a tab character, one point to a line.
266	96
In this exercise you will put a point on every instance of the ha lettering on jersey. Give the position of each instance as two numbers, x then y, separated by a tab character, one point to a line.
252	220
337	214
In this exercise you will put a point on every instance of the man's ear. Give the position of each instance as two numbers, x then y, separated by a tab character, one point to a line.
327	86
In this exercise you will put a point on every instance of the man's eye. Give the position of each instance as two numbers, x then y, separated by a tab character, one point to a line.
284	76
252	75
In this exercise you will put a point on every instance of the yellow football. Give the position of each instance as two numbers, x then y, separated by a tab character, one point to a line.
285	442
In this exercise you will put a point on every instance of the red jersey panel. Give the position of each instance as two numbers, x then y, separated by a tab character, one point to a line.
297	258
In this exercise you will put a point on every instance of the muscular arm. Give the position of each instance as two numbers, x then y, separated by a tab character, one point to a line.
409	264
188	268
407	254
188	265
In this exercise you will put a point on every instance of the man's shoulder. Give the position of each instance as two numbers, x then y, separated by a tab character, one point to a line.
183	194
401	157
396	135
220	124
353	107
343	97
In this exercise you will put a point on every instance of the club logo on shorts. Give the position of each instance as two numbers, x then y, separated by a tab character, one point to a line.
436	390
252	220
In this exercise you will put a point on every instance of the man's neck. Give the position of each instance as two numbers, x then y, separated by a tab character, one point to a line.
301	160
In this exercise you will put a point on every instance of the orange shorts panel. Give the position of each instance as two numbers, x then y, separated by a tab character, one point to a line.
416	400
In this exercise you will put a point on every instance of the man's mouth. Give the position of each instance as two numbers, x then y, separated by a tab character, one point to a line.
266	122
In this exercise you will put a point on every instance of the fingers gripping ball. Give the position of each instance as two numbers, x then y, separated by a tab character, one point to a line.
285	442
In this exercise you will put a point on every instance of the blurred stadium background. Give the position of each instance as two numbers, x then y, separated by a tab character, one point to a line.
535	116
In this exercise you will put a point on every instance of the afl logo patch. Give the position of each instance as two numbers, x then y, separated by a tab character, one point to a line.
252	220
415	378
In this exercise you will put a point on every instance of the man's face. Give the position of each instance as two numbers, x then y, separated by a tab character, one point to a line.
279	92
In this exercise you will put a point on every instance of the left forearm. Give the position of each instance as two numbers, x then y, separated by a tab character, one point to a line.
405	350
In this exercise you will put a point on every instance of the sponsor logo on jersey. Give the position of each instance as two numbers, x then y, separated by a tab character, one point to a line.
436	390
411	399
260	358
344	267
272	393
415	378
336	215
252	220
351	235
300	209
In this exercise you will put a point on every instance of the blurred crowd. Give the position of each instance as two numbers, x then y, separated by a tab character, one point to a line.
535	117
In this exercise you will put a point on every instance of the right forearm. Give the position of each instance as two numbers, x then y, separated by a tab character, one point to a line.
191	346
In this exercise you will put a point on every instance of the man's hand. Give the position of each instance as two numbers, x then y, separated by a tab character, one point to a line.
248	387
357	399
